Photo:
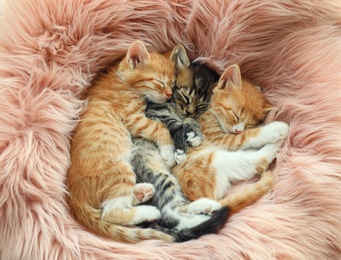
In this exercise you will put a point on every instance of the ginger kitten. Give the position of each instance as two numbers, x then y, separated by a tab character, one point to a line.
234	147
104	196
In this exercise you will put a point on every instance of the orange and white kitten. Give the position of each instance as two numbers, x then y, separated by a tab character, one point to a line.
104	196
234	146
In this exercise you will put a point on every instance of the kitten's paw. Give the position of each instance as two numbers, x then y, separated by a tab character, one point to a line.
167	154
203	206
269	151
144	213
180	156
143	192
193	139
276	131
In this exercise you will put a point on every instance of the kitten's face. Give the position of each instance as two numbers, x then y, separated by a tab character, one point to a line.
188	102
237	104
156	78
149	73
192	94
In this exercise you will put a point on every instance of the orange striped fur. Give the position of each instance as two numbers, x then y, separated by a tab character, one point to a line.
103	195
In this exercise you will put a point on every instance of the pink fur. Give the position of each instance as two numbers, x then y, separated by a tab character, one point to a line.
50	51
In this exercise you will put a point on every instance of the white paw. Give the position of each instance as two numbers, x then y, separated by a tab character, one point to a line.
146	213
203	206
180	156
270	150
167	154
276	131
193	139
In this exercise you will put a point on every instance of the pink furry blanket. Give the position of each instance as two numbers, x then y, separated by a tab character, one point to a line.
49	52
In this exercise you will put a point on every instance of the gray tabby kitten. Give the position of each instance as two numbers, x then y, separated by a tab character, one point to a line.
176	211
187	103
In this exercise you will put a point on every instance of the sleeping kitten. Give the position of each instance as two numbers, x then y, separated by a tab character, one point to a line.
190	99
229	131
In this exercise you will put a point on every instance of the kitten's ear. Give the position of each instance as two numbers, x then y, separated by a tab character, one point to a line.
179	56
137	54
231	77
182	63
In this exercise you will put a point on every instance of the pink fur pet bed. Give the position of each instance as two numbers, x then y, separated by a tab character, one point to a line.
50	51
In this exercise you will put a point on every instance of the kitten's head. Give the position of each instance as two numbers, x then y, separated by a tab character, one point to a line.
236	103
149	73
192	94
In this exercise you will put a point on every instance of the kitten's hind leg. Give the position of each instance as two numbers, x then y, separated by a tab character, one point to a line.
202	206
241	165
121	212
142	192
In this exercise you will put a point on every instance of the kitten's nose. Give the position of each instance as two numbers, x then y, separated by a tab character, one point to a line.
237	131
168	95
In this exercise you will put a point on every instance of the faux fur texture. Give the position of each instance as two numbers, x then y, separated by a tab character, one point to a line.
50	51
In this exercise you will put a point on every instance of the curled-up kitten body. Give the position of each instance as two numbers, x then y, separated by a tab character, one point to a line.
234	147
103	194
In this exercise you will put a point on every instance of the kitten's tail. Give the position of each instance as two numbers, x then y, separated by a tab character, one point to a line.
211	225
91	218
250	194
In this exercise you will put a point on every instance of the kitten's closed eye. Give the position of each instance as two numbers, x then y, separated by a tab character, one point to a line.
253	125
160	82
233	114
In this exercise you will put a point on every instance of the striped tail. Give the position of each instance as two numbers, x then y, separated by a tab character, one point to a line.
250	194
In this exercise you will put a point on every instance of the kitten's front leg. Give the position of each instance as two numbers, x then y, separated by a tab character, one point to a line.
180	146
273	132
268	134
141	126
253	138
193	134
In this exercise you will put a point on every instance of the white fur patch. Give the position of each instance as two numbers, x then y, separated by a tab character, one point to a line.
191	220
203	206
167	154
180	156
271	133
236	166
117	203
193	139
145	213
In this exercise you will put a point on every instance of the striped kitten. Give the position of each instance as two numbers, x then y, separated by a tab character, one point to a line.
190	99
192	95
104	196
